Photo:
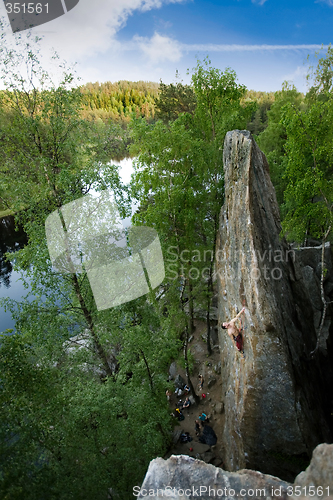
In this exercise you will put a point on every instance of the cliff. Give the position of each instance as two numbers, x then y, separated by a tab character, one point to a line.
182	477
275	400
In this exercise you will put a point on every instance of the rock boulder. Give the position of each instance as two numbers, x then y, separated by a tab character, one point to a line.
182	477
275	400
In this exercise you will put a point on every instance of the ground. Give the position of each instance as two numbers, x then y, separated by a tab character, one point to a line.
204	365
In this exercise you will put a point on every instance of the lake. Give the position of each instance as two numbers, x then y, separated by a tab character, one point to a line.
12	240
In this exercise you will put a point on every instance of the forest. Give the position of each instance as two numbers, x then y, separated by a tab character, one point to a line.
84	423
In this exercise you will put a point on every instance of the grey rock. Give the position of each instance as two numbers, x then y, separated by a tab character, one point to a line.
181	472
217	461
179	382
311	256
217	368
272	398
176	435
207	456
172	370
201	447
319	473
312	284
191	398
219	408
211	382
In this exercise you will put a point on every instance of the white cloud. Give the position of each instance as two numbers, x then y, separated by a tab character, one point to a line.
91	26
159	48
328	2
245	48
300	71
259	2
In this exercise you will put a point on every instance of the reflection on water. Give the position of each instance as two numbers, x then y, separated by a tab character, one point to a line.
10	285
10	241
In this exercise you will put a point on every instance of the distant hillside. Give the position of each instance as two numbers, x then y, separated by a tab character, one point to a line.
117	101
259	118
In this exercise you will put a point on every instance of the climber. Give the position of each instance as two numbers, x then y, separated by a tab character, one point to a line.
234	334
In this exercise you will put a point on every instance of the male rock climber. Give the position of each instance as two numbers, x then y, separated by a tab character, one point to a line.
235	335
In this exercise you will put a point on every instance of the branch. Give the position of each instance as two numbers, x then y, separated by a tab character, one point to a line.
322	293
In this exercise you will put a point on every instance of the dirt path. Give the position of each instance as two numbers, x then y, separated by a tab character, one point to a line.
209	368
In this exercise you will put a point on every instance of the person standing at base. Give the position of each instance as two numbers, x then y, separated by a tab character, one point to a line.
235	335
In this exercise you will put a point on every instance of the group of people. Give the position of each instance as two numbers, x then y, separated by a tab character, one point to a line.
204	432
178	412
182	406
202	419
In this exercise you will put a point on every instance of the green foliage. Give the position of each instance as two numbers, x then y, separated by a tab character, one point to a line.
118	101
65	435
273	139
174	100
75	421
321	77
259	118
41	131
309	158
179	179
309	195
218	100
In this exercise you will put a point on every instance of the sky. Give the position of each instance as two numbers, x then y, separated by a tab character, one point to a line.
265	41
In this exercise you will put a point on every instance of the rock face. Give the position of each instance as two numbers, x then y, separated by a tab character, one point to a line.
182	477
319	474
276	399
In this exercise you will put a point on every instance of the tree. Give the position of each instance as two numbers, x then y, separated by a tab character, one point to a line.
179	180
219	109
259	118
173	100
309	168
321	77
66	435
273	139
170	197
81	414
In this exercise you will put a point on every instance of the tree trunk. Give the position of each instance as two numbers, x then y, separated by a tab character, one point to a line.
98	346
87	315
210	290
209	347
322	292
190	301
187	371
148	371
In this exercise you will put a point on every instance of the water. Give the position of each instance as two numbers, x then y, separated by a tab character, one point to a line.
10	284
11	240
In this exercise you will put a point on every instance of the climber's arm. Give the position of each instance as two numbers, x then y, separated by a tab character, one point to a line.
236	317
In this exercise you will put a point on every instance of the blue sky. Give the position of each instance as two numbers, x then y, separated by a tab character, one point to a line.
264	41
